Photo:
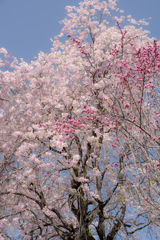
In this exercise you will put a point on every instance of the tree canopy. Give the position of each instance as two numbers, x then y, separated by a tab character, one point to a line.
79	132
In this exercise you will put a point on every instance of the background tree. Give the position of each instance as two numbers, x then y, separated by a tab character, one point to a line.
79	133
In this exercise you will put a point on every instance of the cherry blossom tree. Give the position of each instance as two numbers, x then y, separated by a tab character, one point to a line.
79	132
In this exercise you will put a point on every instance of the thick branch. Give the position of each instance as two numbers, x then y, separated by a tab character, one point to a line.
117	225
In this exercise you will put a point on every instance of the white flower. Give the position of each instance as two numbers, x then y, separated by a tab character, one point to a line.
107	137
91	139
76	158
96	172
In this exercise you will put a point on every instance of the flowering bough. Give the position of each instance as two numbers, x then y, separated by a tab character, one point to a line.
79	133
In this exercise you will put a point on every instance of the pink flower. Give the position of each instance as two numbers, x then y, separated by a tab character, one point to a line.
157	165
78	41
127	105
133	120
114	146
144	188
82	125
115	164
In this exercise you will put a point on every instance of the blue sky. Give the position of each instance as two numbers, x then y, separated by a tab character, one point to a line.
26	26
